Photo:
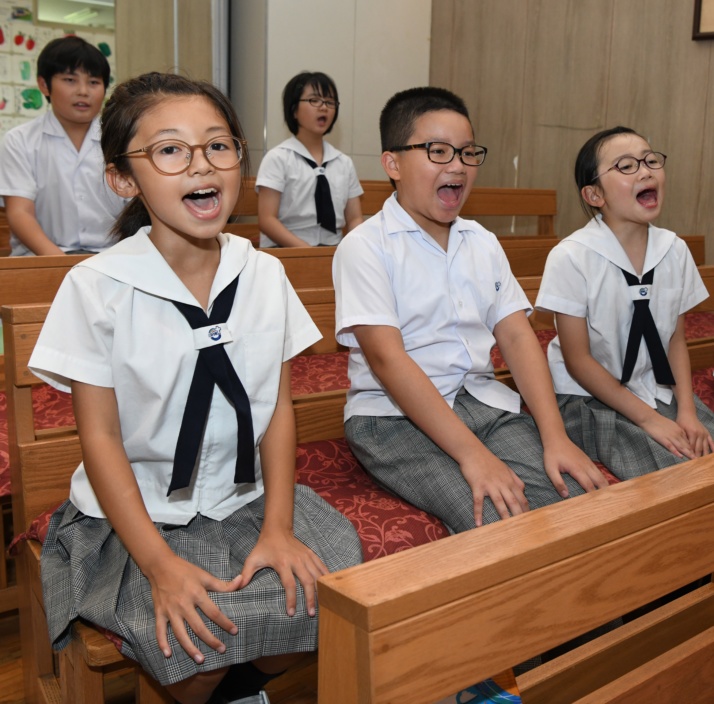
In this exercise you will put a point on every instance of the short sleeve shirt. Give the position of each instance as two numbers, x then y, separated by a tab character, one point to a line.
73	203
446	304
284	169
583	278
113	324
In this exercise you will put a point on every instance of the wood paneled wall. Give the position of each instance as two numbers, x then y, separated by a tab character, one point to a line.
541	76
145	37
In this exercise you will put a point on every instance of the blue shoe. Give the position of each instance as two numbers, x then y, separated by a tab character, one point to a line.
487	692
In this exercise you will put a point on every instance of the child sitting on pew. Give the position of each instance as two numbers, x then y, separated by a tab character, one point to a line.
421	298
184	533
308	191
52	169
619	288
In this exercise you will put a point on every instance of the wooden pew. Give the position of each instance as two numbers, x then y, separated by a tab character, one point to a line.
424	623
505	202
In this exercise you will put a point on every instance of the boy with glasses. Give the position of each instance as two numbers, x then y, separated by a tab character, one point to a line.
422	296
51	169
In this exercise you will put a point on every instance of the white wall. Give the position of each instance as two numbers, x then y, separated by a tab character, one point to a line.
371	48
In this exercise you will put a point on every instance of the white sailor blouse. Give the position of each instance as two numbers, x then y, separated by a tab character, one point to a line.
584	278
114	324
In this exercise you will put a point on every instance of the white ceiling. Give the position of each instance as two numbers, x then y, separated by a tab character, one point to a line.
85	13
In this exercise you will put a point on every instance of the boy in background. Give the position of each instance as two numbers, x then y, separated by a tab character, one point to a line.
422	296
51	169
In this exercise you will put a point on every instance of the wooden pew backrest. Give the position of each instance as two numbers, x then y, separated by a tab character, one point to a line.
502	202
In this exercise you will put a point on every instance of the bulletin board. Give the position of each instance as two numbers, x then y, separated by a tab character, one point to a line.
21	41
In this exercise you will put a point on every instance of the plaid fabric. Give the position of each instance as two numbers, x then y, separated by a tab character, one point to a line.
88	574
608	437
404	460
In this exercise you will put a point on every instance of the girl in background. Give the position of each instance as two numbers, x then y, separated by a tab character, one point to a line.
184	532
619	288
308	191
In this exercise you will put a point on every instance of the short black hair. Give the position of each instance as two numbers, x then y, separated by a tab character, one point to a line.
323	85
588	161
66	55
396	123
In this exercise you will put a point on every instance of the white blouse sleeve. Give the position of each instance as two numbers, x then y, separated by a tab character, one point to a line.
563	288
363	290
77	338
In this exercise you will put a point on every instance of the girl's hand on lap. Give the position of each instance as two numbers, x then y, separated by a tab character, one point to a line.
698	436
668	434
290	558
568	458
489	476
179	589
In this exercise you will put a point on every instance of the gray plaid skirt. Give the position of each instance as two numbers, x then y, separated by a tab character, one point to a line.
88	574
623	447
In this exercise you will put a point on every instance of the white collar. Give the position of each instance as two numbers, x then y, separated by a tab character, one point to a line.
294	144
54	127
397	220
136	261
597	236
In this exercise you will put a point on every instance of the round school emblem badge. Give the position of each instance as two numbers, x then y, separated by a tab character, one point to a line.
215	333
643	291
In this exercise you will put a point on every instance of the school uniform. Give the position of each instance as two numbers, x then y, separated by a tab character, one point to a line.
584	278
285	169
446	306
113	324
73	203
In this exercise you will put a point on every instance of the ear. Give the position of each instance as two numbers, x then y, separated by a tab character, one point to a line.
592	195
390	164
42	85
122	184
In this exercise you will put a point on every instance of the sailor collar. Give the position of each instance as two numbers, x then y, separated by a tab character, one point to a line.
136	262
597	236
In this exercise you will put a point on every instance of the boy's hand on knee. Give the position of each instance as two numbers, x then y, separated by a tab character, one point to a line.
179	590
568	458
490	477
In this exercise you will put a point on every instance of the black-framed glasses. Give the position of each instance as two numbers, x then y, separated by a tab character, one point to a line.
172	156
629	165
444	153
316	102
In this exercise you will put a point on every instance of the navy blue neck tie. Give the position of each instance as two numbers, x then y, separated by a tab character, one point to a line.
213	366
643	325
323	199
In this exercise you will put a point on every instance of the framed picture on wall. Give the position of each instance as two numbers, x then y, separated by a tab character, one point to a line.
703	19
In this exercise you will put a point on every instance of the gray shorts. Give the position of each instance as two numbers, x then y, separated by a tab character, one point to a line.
404	460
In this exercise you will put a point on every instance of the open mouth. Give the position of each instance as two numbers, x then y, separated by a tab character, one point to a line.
648	198
203	200
450	194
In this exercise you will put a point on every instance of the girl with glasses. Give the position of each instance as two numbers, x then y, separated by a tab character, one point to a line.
184	533
619	288
308	191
